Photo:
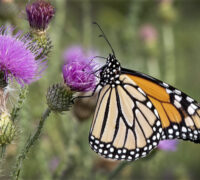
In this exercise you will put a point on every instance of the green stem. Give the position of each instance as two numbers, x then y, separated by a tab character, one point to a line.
87	22
3	151
118	169
2	155
28	145
168	43
20	102
14	114
153	67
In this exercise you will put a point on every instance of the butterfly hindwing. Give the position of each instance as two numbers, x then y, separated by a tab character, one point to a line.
126	125
188	128
179	113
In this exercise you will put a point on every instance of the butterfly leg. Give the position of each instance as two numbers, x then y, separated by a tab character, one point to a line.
80	97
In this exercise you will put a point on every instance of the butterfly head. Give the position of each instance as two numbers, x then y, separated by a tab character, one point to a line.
110	72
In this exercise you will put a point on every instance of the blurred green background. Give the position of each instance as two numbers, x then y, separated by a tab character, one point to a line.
172	54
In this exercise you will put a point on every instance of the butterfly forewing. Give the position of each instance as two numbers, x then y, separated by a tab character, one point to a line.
126	125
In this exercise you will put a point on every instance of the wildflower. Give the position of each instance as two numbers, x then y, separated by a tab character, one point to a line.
148	33
17	57
149	36
40	14
53	163
78	73
168	145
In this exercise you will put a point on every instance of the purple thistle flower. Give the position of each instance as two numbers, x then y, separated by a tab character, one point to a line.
168	145
53	164
17	57
39	14
78	69
79	76
148	33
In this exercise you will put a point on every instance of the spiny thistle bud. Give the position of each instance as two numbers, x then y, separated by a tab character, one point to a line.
59	97
7	129
40	14
43	41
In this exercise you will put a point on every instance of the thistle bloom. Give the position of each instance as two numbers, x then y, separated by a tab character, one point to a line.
78	75
17	57
78	72
168	145
148	33
39	14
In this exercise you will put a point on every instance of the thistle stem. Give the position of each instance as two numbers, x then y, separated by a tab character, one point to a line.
169	46
20	102
86	7
14	114
117	170
3	151
153	66
29	144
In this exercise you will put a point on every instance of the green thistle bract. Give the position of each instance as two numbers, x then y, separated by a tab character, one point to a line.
7	129
59	97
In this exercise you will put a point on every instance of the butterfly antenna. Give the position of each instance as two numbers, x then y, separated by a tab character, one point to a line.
99	57
104	36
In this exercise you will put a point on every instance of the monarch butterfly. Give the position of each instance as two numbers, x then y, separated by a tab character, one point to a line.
135	111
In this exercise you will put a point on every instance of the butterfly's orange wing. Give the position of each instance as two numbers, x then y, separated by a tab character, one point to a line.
139	111
179	113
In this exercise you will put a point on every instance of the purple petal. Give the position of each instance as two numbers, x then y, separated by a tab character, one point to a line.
40	14
168	145
78	75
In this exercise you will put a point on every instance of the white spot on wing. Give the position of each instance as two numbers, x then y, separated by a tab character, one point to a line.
166	85
190	110
177	104
184	129
156	113
149	104
168	91
189	99
139	89
194	106
178	98
177	91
